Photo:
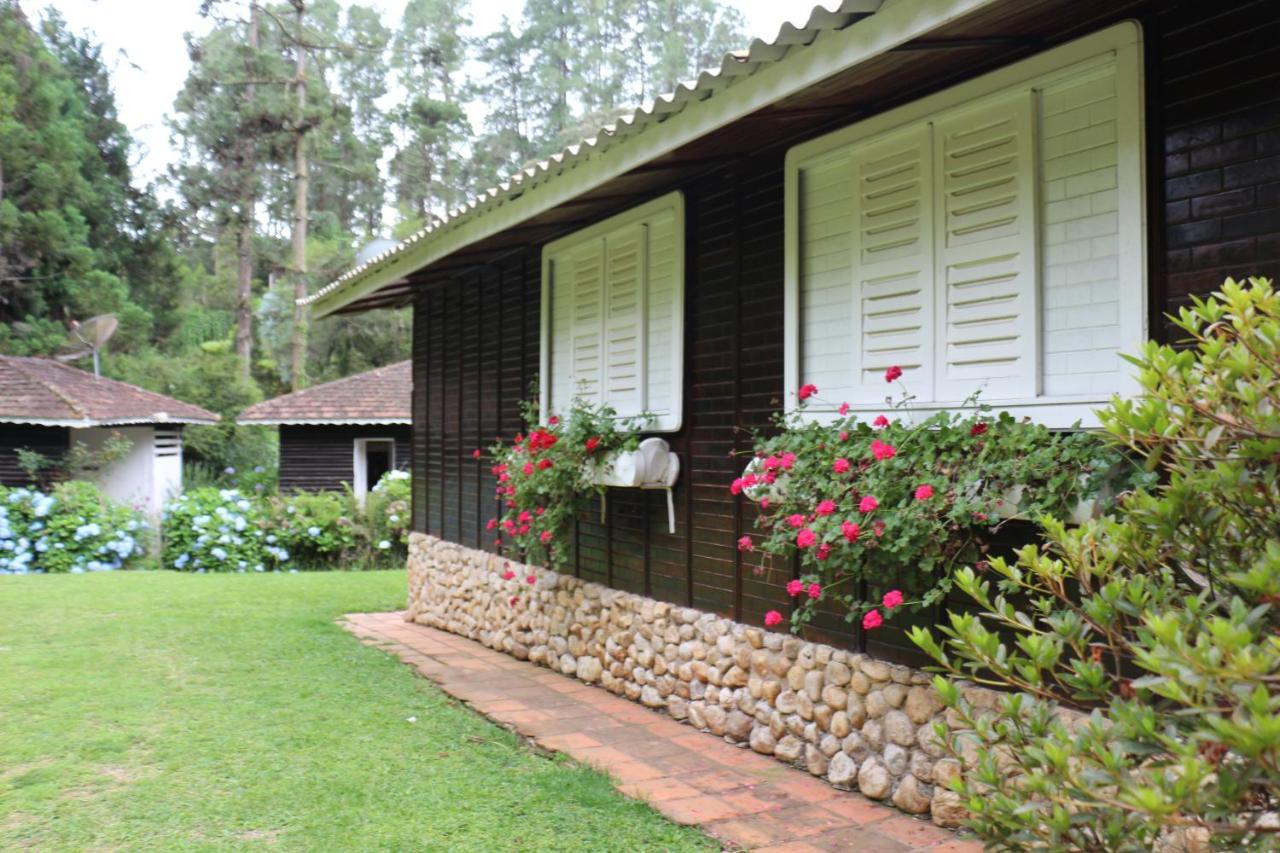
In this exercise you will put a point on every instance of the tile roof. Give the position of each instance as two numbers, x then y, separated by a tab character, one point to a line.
380	396
47	392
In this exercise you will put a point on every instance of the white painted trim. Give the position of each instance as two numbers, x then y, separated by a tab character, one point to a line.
1053	412
84	423
324	422
360	485
672	202
831	52
1120	44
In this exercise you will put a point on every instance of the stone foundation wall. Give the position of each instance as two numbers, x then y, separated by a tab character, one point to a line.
860	723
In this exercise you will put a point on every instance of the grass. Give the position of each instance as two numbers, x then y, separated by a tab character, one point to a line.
159	711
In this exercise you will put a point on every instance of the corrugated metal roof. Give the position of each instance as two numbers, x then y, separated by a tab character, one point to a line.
831	15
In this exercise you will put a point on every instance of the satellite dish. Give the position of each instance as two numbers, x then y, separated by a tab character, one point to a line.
88	338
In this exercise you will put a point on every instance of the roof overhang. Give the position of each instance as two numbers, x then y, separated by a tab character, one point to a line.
324	422
86	423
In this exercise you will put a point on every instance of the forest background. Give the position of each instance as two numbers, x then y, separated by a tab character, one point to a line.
304	130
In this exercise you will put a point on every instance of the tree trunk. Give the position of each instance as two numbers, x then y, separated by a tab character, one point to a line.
244	236
301	181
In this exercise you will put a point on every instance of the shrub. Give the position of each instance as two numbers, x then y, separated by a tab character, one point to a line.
317	528
1159	623
903	503
387	513
545	477
220	530
74	529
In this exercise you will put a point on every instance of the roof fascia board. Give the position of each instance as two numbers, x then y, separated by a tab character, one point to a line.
831	51
325	422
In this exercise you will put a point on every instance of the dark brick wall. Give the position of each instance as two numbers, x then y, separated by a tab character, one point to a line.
1214	102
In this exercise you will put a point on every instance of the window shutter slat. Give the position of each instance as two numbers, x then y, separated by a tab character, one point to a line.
663	309
986	269
587	271
624	315
893	263
826	306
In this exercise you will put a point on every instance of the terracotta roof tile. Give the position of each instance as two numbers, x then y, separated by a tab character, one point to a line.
42	391
381	396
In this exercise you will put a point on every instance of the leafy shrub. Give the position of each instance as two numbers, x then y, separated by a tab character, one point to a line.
898	502
545	477
317	528
74	529
220	530
1160	623
387	512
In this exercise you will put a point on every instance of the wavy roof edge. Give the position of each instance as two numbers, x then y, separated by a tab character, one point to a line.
910	17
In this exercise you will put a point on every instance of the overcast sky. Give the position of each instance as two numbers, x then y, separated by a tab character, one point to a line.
143	47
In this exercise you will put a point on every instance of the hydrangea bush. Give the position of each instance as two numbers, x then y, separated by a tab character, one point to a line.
220	530
900	503
1160	623
74	528
544	477
316	528
387	512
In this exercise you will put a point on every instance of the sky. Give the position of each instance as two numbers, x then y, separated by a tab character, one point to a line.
143	46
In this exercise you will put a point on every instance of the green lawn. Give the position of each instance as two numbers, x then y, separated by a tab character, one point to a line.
158	710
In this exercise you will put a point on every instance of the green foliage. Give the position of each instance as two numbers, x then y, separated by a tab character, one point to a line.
219	530
318	529
544	478
75	528
387	510
1160	622
901	503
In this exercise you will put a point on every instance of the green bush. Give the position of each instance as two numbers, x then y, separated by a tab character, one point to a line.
220	530
1160	623
74	529
387	513
317	528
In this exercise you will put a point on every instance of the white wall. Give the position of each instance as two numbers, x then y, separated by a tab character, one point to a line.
148	475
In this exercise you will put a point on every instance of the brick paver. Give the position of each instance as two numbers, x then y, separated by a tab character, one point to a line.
742	799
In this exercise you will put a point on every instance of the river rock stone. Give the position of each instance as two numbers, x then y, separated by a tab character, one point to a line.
738	725
842	771
922	704
874	780
815	760
790	748
899	729
912	795
762	740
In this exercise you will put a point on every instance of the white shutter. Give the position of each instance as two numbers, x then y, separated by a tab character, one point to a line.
825	211
586	277
893	264
986	268
624	316
664	308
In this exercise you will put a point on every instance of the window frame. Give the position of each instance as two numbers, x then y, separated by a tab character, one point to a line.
673	202
1120	44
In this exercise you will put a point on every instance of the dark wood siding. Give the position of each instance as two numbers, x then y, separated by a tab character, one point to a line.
319	458
476	338
1214	121
51	441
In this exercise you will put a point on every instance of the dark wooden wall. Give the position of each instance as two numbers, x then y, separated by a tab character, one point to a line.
51	441
319	458
476	338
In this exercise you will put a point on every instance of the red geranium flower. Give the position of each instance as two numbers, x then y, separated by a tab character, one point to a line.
840	466
745	544
825	508
844	409
872	619
805	538
772	618
978	429
880	422
794	588
868	504
923	493
815	590
475	454
592	444
892	373
807	391
892	599
796	520
882	451
850	530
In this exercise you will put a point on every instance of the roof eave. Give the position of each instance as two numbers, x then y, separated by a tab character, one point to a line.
324	422
830	52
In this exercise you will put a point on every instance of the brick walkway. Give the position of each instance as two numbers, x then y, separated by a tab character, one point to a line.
741	798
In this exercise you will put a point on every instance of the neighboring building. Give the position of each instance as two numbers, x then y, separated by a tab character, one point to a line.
49	407
1003	194
351	430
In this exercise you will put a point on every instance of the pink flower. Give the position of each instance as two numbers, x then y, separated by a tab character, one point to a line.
524	528
815	590
544	464
531	580
868	504
880	422
787	460
528	468
805	538
807	391
475	454
794	588
877	527
525	516
771	463
508	575
553	421
735	487
844	435
544	537
748	481
745	544
825	508
850	530
824	551
872	619
892	373
892	599
764	503
491	524
978	429
882	451
513	600
840	466
592	443
796	520
923	493
844	409
772	618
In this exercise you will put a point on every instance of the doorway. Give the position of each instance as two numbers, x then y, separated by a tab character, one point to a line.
373	458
